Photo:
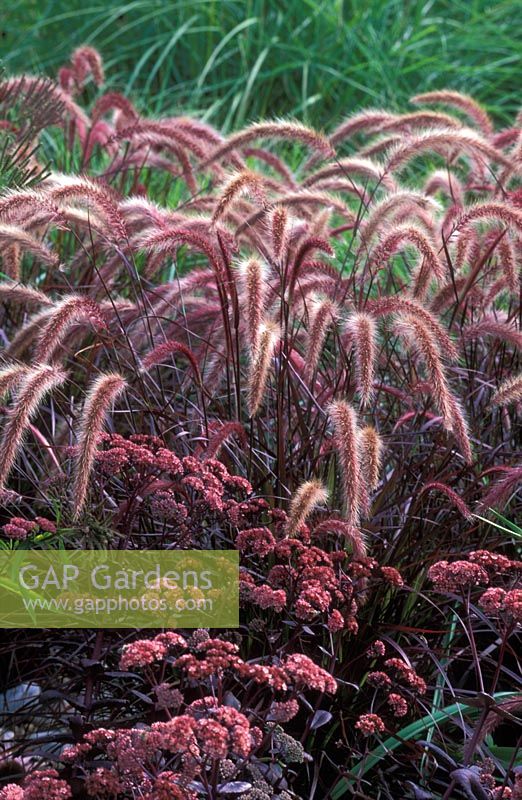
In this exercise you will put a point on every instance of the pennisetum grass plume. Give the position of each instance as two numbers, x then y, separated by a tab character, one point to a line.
10	376
25	84
443	180
441	141
347	444
451	494
260	365
11	235
371	456
113	101
170	240
320	225
508	263
395	304
71	188
218	438
500	490
166	349
307	497
278	223
33	387
85	61
306	247
446	296
510	391
346	167
500	212
405	123
292	131
67	312
380	211
12	292
363	330
461	101
323	315
368	120
253	276
349	532
102	393
429	347
430	266
489	326
25	337
162	134
11	260
245	182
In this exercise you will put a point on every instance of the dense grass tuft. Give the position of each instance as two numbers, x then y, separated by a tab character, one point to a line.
235	61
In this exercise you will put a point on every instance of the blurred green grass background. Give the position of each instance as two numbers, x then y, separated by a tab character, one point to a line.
231	61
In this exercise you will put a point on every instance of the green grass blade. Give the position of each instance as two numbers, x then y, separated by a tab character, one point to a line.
411	732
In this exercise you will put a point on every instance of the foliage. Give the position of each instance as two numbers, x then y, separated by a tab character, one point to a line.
237	60
303	345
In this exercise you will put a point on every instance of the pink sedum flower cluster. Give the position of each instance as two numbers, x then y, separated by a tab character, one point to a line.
457	576
38	785
147	651
499	602
369	724
20	528
311	583
196	732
